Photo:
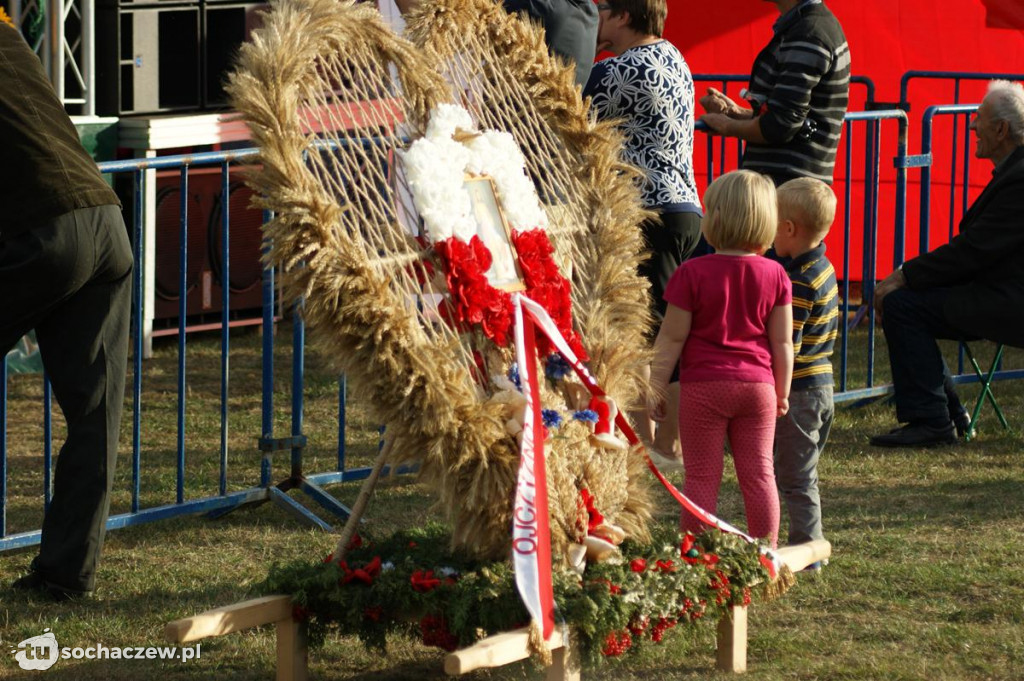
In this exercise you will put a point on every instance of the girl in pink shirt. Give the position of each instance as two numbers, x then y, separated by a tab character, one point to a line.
729	325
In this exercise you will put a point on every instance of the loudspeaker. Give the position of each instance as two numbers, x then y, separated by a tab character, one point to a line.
204	277
147	59
153	57
225	27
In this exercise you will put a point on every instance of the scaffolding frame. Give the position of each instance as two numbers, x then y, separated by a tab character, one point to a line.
66	46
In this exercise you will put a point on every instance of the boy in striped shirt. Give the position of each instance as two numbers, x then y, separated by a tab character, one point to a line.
807	208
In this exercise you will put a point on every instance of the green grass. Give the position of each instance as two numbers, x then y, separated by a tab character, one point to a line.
926	579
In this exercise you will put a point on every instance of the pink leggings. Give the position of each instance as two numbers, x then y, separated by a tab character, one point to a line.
746	412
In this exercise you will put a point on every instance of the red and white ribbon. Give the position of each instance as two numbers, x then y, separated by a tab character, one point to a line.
531	531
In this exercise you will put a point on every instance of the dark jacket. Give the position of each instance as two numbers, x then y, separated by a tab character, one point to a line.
44	169
570	29
983	266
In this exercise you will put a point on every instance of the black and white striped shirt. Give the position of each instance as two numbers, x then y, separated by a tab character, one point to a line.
800	83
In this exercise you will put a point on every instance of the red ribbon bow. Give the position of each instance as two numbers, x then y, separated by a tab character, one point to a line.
424	581
364	574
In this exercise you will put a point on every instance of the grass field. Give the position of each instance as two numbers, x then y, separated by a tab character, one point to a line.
926	579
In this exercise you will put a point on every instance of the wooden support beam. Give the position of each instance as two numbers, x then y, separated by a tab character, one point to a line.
237	617
496	651
732	640
799	556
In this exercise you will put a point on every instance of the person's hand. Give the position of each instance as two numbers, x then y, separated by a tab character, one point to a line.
719	123
885	287
781	406
603	45
717	102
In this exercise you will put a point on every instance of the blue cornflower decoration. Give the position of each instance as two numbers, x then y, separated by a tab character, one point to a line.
587	415
513	375
556	368
551	418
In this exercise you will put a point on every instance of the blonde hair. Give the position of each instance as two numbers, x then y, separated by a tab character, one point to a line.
809	203
740	212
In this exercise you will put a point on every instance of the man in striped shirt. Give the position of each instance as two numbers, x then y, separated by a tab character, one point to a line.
799	91
807	208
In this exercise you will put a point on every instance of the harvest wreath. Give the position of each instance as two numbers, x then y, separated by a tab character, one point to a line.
410	584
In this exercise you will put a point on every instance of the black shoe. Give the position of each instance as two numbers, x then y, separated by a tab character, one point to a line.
33	581
917	435
962	421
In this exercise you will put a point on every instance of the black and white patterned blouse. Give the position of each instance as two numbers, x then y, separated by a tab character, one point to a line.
650	88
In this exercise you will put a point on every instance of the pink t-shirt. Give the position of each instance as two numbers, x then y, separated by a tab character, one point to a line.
731	298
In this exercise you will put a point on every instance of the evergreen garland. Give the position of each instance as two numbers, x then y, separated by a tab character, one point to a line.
411	584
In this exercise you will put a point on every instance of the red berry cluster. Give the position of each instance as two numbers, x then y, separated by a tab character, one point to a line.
435	632
660	627
693	611
617	643
638	625
720	584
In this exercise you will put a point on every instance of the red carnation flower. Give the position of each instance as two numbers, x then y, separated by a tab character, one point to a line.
424	581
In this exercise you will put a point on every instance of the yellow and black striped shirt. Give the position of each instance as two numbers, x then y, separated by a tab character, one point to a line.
815	317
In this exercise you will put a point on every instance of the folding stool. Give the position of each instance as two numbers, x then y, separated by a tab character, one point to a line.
985	379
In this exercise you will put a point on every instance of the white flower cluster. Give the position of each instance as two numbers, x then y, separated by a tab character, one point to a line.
435	167
497	154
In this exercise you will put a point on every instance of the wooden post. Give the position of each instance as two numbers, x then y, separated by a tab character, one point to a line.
564	665
732	640
292	654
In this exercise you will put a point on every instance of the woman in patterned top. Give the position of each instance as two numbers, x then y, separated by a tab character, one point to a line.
648	86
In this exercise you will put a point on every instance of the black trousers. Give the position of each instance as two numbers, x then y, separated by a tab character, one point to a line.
912	322
70	281
670	241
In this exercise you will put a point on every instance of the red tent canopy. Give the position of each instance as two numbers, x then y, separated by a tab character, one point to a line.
887	38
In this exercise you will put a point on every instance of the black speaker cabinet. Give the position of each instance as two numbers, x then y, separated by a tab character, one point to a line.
226	25
147	59
204	271
157	57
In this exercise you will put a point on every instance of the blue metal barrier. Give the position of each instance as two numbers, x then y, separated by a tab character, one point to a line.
957	77
224	500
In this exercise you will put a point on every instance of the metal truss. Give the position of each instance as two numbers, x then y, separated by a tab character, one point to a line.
62	32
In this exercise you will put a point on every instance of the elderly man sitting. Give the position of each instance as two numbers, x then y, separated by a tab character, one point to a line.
970	288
